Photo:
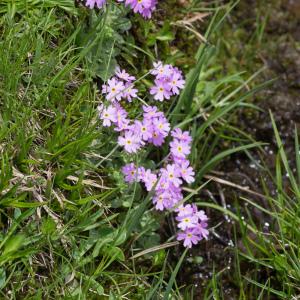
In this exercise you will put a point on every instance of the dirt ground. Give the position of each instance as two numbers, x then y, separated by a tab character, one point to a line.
280	55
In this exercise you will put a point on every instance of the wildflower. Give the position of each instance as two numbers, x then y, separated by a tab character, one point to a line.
172	175
149	179
122	122
201	230
130	142
200	214
161	126
122	74
151	112
179	148
161	200
91	3
130	173
161	71
161	90
108	115
187	172
157	139
184	210
144	7
144	129
187	222
181	135
176	83
129	92
113	89
190	237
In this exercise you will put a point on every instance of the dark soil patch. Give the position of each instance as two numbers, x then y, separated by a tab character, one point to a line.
280	55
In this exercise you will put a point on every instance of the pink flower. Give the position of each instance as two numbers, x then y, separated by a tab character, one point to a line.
189	237
113	89
91	3
130	142
108	115
130	92
122	121
151	112
201	230
157	139
180	149
130	173
143	129
187	222
161	71
161	90
149	179
176	83
172	175
122	74
187	172
161	126
181	136
184	210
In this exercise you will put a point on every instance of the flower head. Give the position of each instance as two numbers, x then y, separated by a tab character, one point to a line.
130	142
92	3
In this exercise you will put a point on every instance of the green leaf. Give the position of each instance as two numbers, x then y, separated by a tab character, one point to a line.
13	243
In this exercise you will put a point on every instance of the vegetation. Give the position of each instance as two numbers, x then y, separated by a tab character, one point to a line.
71	227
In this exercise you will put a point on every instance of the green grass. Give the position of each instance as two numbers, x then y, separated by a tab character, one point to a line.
70	227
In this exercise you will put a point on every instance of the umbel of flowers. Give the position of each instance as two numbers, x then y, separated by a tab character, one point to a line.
143	7
153	128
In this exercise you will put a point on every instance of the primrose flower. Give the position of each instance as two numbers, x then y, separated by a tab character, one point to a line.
184	210
181	135
176	83
161	71
187	222
122	74
149	179
108	115
186	171
157	139
190	237
161	90
130	173
122	122
129	92
161	201
114	89
151	112
154	128
161	126
172	175
143	7
130	142
180	149
143	129
92	3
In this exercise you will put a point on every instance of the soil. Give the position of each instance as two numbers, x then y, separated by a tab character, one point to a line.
280	55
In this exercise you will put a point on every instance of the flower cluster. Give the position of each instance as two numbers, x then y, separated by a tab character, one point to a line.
143	7
167	185
154	128
168	81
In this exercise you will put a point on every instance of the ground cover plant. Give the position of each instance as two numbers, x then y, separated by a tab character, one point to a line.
115	129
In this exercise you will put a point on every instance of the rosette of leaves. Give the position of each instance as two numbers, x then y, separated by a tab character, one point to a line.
104	29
